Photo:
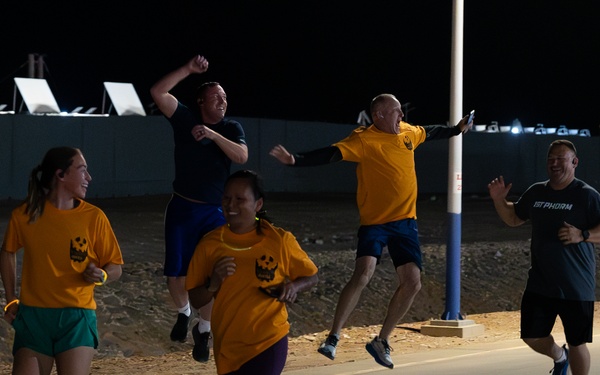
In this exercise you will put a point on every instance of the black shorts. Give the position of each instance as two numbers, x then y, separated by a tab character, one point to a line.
538	315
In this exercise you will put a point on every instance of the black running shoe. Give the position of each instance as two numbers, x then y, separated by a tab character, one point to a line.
180	329
201	351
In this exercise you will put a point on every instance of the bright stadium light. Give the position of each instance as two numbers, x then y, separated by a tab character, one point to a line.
516	127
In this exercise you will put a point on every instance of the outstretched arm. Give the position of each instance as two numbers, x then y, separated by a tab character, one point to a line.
326	155
506	210
445	132
165	101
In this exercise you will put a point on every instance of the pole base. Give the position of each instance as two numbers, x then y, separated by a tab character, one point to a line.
458	328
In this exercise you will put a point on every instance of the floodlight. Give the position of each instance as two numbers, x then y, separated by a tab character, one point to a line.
516	127
363	118
124	99
3	112
37	95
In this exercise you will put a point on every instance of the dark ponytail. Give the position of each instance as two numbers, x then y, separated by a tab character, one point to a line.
59	158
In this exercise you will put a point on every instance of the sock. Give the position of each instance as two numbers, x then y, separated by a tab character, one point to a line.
203	325
186	309
563	356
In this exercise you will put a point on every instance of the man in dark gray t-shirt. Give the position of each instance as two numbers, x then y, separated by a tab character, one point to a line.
565	220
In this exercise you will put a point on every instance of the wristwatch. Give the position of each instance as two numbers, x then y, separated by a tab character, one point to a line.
586	234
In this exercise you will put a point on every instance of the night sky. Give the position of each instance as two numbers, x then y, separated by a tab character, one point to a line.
321	61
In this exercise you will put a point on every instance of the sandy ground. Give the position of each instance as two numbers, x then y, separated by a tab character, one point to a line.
135	314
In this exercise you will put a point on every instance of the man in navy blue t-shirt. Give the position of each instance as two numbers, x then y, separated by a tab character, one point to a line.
205	146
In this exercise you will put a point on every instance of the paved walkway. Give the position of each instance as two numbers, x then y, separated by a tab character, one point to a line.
502	358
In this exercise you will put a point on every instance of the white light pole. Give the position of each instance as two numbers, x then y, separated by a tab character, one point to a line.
452	311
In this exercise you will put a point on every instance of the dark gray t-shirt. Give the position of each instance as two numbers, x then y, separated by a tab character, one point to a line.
558	271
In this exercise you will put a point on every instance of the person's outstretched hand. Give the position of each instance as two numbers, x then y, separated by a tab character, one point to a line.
498	190
280	153
465	126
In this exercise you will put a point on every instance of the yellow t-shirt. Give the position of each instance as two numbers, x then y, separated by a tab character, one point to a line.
57	248
245	321
387	180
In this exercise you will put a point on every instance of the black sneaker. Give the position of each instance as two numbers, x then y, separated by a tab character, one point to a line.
180	329
201	352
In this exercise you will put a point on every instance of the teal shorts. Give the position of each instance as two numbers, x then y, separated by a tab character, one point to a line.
52	331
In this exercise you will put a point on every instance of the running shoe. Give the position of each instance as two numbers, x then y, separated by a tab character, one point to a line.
201	351
180	329
380	350
328	346
560	368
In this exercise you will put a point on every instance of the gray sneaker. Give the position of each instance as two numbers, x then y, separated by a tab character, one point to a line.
380	350
328	346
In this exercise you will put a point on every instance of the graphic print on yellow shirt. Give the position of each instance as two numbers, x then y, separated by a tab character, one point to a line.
265	268
79	249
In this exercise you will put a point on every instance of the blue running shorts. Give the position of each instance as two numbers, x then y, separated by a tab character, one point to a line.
401	238
186	223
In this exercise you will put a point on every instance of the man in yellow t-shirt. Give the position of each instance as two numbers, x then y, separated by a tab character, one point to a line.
386	199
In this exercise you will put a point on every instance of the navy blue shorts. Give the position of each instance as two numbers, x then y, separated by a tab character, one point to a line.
270	362
538	315
185	224
401	238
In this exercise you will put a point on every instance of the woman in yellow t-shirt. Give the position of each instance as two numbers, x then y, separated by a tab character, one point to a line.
251	268
68	249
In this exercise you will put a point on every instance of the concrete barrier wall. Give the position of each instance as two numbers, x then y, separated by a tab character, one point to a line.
126	155
131	156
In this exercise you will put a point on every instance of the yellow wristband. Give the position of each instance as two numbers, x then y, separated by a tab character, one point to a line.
11	303
104	277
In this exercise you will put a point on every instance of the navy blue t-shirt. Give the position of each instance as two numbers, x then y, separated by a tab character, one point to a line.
201	168
558	271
